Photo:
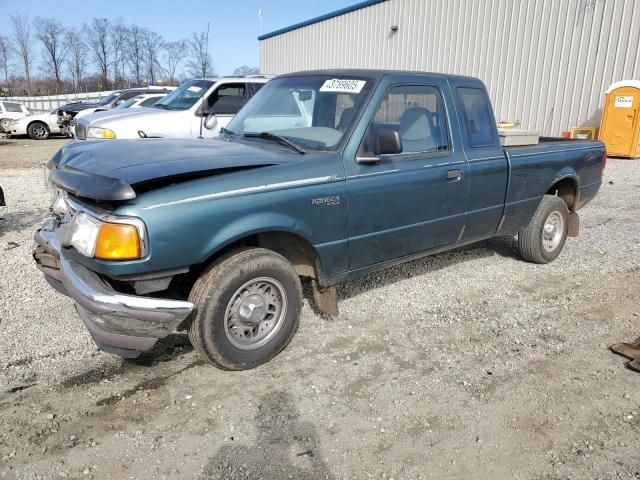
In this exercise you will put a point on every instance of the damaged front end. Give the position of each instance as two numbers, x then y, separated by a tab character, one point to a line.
119	323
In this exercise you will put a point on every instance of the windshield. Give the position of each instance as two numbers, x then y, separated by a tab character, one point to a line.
312	111
185	96
108	99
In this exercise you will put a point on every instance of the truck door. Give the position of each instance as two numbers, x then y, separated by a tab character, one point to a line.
415	200
488	166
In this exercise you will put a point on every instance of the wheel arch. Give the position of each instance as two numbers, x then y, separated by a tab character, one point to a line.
292	245
566	187
32	122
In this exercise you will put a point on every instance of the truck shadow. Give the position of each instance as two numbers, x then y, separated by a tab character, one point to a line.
505	246
167	349
285	446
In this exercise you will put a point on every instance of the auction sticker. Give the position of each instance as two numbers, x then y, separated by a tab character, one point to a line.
624	101
342	85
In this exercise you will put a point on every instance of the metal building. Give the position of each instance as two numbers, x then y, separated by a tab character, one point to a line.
546	63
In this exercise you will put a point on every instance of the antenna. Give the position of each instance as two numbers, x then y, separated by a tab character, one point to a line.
206	68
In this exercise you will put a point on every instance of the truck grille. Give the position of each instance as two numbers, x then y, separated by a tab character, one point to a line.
81	131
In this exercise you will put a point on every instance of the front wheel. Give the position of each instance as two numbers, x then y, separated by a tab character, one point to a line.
38	131
4	124
247	309
543	239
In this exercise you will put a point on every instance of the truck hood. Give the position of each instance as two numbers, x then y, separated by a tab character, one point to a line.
114	114
138	117
117	170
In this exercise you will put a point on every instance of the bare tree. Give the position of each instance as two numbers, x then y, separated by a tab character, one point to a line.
5	54
245	70
77	57
22	36
119	32
97	35
51	33
152	44
201	63
174	53
135	51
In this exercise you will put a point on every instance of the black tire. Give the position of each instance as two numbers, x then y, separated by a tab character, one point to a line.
537	245
38	131
212	331
4	123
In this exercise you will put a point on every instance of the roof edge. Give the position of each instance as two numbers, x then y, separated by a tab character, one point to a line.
326	16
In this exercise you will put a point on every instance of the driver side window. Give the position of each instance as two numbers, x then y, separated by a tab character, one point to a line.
416	113
227	99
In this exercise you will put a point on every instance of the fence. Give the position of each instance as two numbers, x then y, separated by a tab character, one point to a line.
49	102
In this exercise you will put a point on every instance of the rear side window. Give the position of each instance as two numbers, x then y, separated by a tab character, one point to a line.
476	115
12	107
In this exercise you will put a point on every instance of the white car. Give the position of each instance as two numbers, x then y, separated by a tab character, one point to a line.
11	111
137	102
38	127
197	108
143	100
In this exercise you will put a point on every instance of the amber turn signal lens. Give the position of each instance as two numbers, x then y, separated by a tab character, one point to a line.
117	241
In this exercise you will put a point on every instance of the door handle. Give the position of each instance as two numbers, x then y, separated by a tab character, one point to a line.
454	174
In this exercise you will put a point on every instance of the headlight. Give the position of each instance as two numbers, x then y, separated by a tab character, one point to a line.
105	240
84	233
102	133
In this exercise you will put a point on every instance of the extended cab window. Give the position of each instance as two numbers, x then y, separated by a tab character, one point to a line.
476	115
228	99
417	113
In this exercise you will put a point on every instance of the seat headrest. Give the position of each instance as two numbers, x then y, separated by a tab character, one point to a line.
414	124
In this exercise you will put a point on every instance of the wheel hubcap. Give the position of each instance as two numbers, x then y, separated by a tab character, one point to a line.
552	231
255	313
39	131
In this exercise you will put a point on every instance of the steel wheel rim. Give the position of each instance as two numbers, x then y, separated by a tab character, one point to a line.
39	131
552	231
255	313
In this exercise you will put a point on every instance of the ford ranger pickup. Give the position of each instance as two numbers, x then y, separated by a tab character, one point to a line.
323	175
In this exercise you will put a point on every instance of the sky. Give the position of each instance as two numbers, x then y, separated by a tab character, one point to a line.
234	23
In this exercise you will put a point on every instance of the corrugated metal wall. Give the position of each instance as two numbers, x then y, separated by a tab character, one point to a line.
546	62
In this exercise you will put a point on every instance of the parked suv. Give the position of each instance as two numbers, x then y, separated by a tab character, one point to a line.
198	108
11	111
68	112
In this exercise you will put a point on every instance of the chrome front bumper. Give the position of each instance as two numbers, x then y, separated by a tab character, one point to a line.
122	324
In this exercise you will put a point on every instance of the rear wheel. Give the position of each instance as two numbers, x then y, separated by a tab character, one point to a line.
38	131
543	239
247	309
4	124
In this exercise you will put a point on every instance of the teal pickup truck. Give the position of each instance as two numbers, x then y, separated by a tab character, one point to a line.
324	175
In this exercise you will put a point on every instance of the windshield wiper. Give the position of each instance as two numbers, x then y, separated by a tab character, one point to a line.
161	105
277	138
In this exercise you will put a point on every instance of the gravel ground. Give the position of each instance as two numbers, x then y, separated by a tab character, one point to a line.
470	364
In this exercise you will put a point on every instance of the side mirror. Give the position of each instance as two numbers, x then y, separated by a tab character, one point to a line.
387	142
210	122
